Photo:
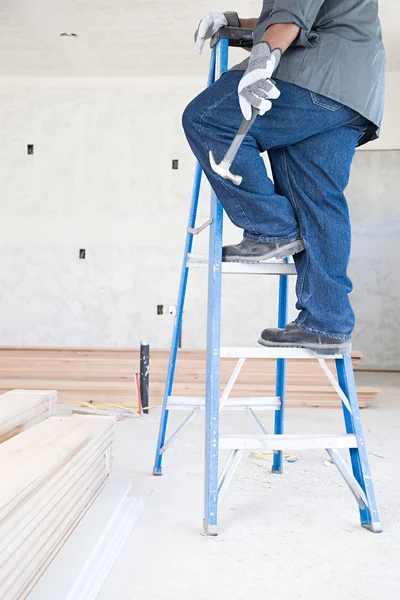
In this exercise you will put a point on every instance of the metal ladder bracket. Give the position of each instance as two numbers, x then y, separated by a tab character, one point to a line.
197	230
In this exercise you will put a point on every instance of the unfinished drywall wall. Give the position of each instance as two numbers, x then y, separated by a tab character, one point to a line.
101	179
374	200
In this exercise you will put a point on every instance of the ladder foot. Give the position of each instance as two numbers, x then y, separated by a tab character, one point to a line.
157	472
277	462
277	471
374	527
210	530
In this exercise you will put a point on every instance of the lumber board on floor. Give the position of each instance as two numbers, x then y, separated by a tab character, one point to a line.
50	474
97	354
21	409
106	376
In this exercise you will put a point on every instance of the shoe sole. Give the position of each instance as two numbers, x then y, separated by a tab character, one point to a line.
327	349
289	250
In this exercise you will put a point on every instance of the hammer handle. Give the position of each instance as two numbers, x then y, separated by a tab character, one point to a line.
239	137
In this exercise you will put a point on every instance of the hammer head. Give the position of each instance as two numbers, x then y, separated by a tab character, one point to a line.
223	169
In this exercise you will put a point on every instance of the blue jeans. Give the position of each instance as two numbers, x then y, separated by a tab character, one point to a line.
310	141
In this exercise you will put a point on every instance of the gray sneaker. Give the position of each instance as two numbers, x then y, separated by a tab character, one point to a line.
293	337
253	252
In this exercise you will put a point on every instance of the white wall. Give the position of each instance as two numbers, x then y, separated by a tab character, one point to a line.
101	179
374	200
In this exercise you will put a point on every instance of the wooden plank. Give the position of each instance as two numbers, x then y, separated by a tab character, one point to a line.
56	440
20	410
31	470
17	426
26	580
38	547
13	365
116	387
97	353
55	472
128	398
106	376
54	491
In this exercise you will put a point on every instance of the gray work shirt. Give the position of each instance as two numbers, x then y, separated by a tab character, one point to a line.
339	52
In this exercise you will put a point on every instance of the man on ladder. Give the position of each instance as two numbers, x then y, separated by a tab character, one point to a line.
319	65
327	63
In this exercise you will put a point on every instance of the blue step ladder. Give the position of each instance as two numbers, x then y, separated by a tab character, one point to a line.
358	478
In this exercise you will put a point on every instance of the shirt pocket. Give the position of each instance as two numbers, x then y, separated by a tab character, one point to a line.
325	102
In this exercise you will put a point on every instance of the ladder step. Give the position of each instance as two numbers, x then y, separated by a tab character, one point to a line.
263	352
273	267
287	442
259	403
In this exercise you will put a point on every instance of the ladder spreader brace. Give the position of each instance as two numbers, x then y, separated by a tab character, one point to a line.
358	477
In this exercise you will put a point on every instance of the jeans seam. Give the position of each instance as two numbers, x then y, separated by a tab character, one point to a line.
322	333
326	106
285	168
350	120
296	208
265	239
228	189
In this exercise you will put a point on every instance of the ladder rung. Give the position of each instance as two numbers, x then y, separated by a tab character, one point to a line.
273	267
287	442
263	352
260	403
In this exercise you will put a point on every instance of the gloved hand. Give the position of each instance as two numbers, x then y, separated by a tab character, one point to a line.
210	24
255	87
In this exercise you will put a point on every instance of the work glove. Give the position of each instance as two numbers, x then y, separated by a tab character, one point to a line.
210	24
256	88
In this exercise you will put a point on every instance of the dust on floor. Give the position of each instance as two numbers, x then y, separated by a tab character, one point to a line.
282	537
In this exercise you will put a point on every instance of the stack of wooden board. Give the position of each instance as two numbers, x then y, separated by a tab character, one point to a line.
50	475
20	409
106	376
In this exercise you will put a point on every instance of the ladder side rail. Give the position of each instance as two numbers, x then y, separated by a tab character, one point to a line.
279	424
157	469
358	456
213	347
212	408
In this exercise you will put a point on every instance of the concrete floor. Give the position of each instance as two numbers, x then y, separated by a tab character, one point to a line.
291	536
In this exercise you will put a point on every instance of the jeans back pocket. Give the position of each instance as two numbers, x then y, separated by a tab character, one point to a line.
325	102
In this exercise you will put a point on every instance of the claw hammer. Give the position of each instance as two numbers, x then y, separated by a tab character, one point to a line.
224	167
